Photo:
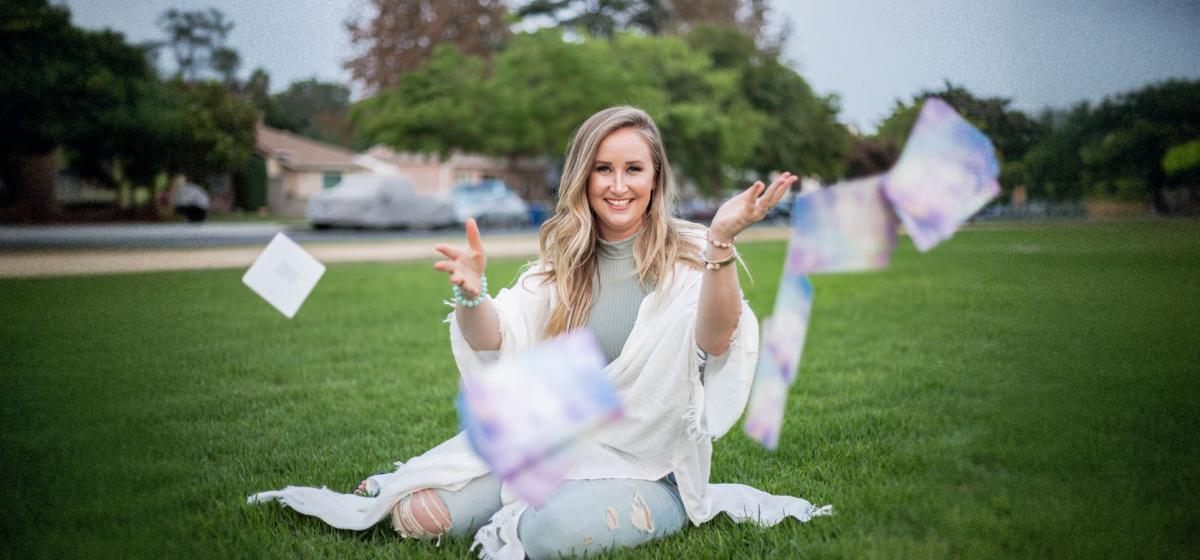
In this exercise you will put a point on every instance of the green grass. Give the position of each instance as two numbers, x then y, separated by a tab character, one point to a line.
1027	392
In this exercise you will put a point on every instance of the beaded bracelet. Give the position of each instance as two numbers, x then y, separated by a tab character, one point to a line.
458	295
718	244
716	265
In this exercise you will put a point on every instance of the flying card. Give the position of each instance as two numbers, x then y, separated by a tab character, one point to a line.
846	227
284	274
782	345
523	413
946	173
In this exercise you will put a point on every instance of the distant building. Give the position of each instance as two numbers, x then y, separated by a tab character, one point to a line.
531	178
299	167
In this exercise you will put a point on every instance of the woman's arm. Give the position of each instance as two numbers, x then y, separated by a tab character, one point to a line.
720	297
480	325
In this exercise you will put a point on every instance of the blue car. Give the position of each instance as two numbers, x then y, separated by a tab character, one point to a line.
491	203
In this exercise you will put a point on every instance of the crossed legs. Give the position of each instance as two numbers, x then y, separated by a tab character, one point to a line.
583	517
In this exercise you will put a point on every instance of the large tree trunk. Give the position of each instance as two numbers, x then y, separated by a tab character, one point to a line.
31	180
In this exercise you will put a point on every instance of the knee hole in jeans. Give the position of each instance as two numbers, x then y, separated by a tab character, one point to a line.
421	515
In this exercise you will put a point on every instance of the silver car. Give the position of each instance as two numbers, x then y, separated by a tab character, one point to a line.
491	203
376	201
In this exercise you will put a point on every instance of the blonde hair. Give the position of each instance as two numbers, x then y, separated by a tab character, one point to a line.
568	239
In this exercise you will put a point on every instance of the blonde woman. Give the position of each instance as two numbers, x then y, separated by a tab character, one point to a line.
662	297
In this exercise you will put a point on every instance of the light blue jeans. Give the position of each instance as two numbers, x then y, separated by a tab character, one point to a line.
582	517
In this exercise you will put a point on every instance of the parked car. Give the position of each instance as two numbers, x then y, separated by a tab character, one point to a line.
782	212
491	203
377	201
190	201
699	210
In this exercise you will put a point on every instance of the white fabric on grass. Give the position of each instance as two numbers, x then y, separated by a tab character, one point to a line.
671	417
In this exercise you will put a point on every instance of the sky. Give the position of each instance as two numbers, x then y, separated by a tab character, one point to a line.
1039	53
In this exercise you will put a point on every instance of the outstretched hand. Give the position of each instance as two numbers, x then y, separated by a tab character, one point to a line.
749	207
466	266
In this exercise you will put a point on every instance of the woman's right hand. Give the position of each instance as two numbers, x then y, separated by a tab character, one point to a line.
465	266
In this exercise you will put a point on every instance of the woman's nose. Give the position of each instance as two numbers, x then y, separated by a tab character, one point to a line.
618	183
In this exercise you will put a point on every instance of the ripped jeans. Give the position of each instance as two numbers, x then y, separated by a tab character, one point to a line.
583	517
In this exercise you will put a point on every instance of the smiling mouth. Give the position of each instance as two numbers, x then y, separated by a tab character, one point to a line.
618	204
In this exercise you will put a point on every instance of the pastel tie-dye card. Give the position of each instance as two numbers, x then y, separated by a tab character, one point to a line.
846	227
523	414
946	173
782	345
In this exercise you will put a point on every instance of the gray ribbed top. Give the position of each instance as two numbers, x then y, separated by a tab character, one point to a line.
616	295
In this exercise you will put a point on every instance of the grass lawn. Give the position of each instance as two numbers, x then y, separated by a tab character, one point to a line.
1019	392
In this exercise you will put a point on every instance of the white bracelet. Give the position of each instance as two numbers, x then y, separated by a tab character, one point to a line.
716	265
718	244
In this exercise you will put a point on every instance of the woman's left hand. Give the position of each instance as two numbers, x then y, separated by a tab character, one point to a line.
749	207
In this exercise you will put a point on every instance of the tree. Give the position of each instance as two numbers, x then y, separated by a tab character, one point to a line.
214	133
869	156
1123	158
709	127
96	100
605	18
544	86
83	93
437	108
225	62
197	41
314	109
1053	165
1183	159
1011	131
804	134
400	35
600	18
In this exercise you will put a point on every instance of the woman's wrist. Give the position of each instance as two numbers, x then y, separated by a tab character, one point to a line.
465	300
720	237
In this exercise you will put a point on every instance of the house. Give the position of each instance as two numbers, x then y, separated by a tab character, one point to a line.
530	178
299	167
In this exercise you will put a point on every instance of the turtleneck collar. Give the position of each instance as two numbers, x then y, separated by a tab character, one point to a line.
616	250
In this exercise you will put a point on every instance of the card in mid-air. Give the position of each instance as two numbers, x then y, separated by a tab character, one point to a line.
284	274
947	172
524	414
843	228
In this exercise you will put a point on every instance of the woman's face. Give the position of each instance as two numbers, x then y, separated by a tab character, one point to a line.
620	184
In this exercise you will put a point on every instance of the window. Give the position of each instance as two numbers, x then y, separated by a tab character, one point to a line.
332	178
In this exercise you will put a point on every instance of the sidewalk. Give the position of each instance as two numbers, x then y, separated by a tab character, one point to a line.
71	262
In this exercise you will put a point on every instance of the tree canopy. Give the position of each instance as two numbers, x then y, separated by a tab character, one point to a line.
99	101
398	36
715	95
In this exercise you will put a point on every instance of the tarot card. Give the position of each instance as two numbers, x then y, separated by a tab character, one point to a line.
946	173
782	346
284	274
523	414
845	227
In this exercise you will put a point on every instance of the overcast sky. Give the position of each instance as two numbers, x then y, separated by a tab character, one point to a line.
869	52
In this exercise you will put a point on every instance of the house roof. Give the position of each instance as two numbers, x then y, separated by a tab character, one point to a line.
302	154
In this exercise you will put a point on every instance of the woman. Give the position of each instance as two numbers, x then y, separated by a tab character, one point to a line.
662	297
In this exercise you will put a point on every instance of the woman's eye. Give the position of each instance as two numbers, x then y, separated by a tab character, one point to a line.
602	169
634	169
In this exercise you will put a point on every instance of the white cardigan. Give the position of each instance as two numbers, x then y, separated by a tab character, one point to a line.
673	409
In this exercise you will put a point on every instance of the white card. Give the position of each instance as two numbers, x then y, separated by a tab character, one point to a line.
284	274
